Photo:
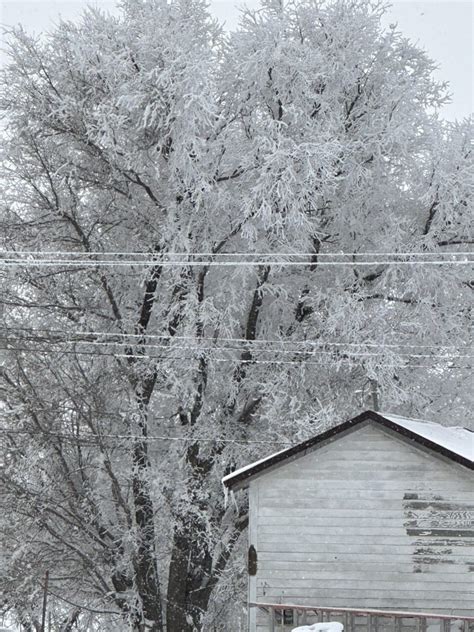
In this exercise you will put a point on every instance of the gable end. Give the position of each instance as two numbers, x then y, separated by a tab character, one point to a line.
241	478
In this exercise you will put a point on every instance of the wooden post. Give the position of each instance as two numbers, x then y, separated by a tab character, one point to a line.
296	618
271	620
45	601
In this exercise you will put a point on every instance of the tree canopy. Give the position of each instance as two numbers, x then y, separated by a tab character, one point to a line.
214	245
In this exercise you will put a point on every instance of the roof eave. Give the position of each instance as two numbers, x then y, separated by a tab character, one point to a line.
240	480
432	445
237	481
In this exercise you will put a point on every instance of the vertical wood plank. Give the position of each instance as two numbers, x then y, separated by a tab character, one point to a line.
252	580
271	620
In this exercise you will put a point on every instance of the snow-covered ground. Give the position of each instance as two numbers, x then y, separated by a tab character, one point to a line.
329	626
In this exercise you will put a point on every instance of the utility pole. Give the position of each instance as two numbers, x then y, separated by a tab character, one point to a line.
374	387
45	601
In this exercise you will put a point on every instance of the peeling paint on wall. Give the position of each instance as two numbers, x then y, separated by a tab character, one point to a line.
441	528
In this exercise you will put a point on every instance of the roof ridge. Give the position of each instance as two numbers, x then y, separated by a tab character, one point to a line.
422	421
448	447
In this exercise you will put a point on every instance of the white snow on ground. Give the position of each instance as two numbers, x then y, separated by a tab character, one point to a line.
458	440
330	626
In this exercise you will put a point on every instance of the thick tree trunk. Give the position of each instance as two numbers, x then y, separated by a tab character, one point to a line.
146	571
193	575
189	577
176	619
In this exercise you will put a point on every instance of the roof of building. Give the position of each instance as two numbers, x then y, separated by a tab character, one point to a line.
453	442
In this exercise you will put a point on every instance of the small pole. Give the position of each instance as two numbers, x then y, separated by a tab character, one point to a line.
375	394
45	602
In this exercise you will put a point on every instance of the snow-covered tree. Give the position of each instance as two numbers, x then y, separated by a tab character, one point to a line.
133	382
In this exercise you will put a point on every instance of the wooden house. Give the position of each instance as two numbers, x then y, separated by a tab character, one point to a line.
376	514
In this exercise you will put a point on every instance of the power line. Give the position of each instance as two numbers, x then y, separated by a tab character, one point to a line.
213	359
16	263
227	348
78	438
90	253
319	343
84	413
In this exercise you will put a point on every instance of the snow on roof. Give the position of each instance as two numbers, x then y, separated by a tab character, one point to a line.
454	438
452	441
251	466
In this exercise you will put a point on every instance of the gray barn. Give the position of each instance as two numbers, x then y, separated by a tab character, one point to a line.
377	512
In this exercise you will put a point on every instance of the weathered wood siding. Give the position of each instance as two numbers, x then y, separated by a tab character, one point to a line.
370	521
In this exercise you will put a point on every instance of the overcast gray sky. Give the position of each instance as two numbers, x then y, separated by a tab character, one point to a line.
444	28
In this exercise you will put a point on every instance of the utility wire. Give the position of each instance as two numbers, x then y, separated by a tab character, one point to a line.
213	359
83	413
227	348
28	263
77	438
88	253
318	343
